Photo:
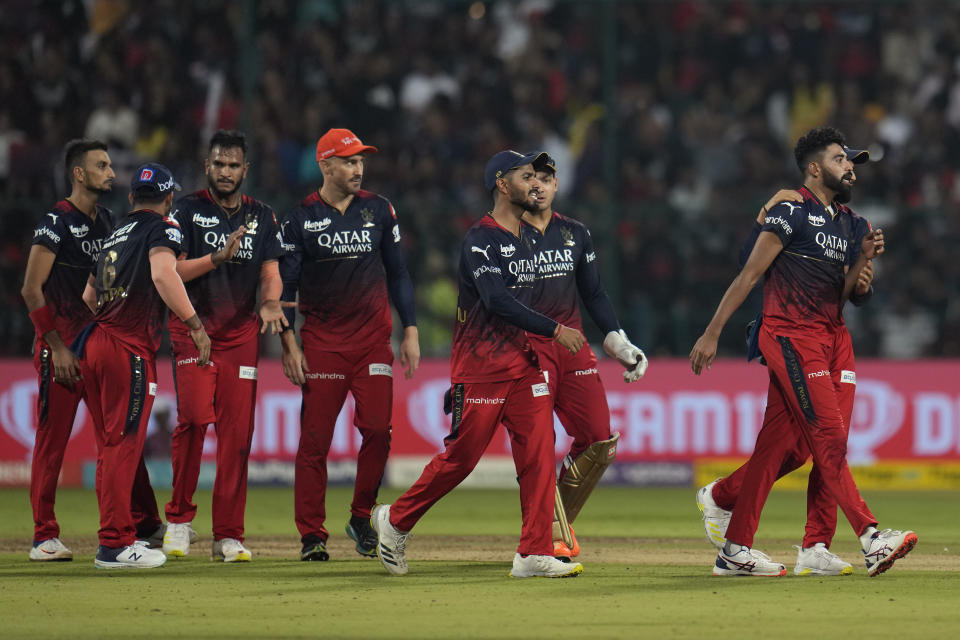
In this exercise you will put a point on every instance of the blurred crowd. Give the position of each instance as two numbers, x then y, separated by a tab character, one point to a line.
672	122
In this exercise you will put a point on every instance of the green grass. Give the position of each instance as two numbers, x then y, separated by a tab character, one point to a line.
647	593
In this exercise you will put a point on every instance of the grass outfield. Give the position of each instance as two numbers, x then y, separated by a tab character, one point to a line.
647	574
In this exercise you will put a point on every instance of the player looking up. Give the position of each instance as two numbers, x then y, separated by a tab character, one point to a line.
231	244
66	243
495	378
343	257
136	280
566	272
803	251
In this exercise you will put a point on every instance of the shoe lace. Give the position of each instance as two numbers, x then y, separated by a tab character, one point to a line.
400	543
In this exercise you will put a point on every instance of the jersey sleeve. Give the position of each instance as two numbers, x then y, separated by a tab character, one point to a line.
399	283
783	219
50	231
487	277
167	234
591	290
273	238
291	259
181	214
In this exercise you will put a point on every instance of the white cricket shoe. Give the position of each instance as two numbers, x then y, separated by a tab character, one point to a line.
543	567
50	550
177	539
885	547
135	556
820	561
715	519
747	562
230	550
155	539
391	542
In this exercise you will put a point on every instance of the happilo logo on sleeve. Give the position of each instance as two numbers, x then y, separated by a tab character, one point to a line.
379	369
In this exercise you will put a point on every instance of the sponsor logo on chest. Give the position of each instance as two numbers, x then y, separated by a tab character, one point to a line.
79	232
217	240
206	222
553	262
347	242
834	247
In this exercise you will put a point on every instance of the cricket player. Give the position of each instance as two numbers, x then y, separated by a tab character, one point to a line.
566	273
66	243
231	243
343	257
717	499
136	280
496	378
803	251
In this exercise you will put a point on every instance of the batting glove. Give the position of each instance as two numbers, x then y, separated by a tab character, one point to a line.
618	346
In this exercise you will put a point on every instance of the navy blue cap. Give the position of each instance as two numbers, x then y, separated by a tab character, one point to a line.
543	161
503	162
856	156
152	180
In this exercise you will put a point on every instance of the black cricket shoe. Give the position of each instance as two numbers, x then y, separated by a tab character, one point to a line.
314	549
362	533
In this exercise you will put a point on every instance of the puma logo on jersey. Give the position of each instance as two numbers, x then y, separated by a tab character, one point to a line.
793	207
483	251
54	217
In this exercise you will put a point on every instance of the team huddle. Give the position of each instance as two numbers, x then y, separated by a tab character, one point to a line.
218	269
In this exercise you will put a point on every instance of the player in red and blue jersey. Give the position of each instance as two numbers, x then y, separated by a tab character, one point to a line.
231	244
566	273
136	280
496	378
803	251
343	258
66	243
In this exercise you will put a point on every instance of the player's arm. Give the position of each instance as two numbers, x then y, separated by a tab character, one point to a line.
163	269
598	305
871	247
271	288
400	287
784	195
294	362
66	367
768	247
196	267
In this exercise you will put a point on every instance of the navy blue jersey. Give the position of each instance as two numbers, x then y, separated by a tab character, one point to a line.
225	298
75	238
128	305
342	266
566	265
804	285
497	276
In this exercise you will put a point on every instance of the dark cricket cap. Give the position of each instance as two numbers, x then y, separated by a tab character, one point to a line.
543	161
505	161
857	156
152	180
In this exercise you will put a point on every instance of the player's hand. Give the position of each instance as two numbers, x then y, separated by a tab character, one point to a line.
873	244
703	353
202	342
271	315
784	195
294	363
864	279
618	346
230	248
570	339
66	367
410	351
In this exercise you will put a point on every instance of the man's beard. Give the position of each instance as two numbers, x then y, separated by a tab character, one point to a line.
524	202
220	192
844	191
99	191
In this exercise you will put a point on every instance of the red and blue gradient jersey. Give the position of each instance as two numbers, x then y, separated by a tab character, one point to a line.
226	298
129	307
497	276
342	266
803	291
565	265
75	238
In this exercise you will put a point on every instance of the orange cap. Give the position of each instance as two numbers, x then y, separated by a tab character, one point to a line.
341	142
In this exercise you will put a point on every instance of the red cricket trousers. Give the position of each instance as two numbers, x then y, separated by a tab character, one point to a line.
579	398
56	411
800	380
223	393
525	408
368	375
821	506
119	388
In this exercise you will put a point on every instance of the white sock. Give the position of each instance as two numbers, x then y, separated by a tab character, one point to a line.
867	537
731	548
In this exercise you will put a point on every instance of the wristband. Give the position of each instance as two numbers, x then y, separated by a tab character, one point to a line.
42	319
556	332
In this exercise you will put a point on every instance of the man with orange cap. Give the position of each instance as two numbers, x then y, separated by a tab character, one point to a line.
343	258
